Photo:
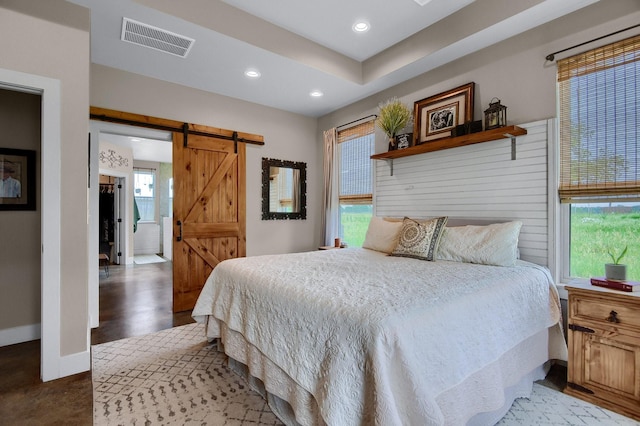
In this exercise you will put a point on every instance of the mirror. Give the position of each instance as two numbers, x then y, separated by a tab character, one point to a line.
284	189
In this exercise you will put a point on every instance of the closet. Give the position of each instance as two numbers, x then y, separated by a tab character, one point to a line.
109	218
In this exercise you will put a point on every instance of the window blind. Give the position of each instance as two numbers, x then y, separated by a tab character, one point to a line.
599	120
355	147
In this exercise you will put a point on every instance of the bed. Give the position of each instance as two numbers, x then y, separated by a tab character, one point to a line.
357	336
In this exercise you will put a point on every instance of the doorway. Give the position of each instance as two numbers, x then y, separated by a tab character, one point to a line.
110	220
20	221
116	152
52	364
210	205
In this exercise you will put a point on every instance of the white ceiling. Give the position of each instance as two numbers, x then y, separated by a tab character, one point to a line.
300	46
145	144
144	149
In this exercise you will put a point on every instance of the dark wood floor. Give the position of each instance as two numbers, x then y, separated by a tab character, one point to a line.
134	300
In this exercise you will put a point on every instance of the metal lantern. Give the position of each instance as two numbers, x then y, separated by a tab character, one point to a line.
495	116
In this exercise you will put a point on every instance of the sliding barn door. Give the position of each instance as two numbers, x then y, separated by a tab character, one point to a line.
208	211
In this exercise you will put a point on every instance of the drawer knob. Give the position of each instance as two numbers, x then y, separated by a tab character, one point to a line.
613	317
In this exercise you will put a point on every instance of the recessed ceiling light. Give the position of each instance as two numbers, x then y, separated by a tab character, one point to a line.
252	73
316	93
361	26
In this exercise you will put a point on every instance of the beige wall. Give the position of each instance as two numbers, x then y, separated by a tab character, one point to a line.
54	50
20	230
287	137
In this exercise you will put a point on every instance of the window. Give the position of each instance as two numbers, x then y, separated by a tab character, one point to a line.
144	193
599	156
281	189
355	147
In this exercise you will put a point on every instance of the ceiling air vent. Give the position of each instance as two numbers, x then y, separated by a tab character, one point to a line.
155	38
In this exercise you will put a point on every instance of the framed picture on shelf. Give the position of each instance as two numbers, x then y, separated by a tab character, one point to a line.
17	179
437	116
404	140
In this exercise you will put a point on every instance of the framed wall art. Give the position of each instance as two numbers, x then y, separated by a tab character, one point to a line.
404	140
436	116
17	179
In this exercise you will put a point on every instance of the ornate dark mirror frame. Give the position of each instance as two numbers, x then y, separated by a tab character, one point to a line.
267	163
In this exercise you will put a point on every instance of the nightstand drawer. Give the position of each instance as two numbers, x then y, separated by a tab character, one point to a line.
605	311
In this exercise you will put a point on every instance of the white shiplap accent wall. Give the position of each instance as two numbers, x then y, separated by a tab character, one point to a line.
475	182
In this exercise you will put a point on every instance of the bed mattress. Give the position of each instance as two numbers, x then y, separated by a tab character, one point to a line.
375	339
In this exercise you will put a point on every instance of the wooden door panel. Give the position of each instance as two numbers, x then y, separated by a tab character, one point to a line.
211	144
210	230
194	271
214	250
209	187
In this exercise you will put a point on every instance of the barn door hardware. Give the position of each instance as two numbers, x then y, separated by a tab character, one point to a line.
172	126
235	142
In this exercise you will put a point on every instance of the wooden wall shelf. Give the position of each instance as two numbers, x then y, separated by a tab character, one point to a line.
447	143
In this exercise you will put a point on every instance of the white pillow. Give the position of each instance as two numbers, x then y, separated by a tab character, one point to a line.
382	235
495	244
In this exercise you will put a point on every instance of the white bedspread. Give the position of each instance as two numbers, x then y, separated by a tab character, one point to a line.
375	339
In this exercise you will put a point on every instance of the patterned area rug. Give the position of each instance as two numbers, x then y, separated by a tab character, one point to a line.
550	407
174	377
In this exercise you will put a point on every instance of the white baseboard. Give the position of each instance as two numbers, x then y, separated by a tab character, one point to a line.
75	363
20	334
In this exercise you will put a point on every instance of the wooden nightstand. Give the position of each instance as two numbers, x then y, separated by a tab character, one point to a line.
604	348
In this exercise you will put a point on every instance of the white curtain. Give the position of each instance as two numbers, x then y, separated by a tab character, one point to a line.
330	193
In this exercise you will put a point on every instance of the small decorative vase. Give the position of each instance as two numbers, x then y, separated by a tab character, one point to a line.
392	143
615	272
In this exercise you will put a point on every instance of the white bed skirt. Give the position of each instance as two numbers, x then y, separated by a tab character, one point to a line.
481	399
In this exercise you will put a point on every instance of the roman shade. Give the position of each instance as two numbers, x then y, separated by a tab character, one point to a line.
355	145
599	117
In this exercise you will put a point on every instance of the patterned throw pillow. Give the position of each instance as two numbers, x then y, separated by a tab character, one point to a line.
419	239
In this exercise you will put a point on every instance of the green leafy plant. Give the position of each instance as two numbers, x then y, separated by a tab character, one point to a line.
617	259
393	116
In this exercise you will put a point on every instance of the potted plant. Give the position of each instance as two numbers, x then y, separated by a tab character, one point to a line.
393	117
616	271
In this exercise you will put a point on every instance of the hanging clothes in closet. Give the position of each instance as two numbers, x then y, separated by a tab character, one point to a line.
106	218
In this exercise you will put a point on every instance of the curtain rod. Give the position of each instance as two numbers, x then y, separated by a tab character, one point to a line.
551	56
359	119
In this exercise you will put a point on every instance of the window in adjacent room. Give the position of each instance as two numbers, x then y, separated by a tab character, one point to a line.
355	147
599	157
281	189
144	193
